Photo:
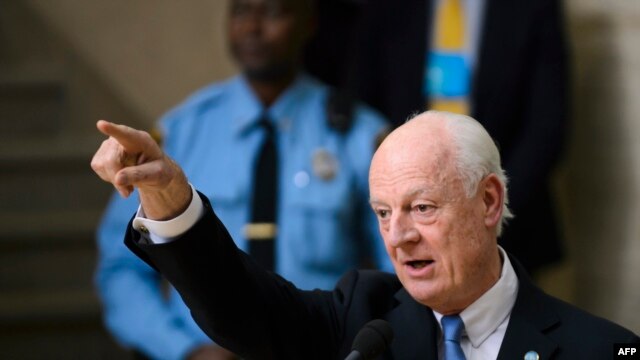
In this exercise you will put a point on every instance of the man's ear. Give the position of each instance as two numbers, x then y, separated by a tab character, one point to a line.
492	198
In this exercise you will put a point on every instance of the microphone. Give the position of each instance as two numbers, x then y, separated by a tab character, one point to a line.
371	340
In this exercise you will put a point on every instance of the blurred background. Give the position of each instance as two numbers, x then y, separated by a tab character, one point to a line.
66	63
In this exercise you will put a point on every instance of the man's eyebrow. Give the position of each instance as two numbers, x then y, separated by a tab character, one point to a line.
415	192
408	195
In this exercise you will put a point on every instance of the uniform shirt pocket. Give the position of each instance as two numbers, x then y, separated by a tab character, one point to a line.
319	228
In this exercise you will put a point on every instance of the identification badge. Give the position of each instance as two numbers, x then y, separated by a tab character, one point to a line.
324	164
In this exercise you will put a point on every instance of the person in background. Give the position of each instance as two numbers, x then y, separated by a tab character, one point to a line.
285	165
500	61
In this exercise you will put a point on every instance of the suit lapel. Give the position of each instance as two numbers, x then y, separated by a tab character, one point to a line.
529	320
522	336
415	330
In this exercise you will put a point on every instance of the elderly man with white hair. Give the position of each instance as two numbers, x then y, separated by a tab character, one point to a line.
440	195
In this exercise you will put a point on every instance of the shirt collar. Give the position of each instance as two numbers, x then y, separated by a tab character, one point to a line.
484	315
247	108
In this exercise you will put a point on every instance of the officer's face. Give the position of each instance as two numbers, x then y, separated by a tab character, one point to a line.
441	243
266	36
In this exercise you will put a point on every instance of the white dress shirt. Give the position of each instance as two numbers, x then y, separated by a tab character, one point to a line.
486	320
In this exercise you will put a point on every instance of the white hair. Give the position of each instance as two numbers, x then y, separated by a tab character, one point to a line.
476	155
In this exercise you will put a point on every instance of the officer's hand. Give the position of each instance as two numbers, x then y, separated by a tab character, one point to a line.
131	158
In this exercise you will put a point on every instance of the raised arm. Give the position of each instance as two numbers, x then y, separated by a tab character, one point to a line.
244	308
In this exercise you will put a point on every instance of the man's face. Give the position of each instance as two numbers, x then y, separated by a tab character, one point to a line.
266	36
437	238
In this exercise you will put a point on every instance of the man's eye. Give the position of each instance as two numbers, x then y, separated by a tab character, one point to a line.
423	208
382	214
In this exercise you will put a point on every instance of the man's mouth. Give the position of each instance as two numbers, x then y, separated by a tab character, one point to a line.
419	264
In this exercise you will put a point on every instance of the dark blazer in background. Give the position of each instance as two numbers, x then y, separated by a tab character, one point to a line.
519	92
260	315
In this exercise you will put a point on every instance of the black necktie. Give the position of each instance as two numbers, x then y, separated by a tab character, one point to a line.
261	231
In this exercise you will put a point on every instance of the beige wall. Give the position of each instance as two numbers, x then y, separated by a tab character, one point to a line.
600	182
154	52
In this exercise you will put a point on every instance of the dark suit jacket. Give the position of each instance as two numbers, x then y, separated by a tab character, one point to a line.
519	92
259	315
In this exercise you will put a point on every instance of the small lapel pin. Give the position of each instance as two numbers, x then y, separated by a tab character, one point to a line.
531	355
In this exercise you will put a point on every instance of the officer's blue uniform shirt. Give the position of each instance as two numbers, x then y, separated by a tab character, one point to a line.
325	225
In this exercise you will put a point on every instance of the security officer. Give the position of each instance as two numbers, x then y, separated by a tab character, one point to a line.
291	184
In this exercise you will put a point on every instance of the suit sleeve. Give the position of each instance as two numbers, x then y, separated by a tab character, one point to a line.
244	308
134	307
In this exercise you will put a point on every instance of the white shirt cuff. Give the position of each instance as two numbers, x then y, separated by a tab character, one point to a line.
161	232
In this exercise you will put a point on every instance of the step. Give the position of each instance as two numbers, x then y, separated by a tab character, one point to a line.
56	324
78	340
44	228
48	264
49	176
31	106
48	306
59	189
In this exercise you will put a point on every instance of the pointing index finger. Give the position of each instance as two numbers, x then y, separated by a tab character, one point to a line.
131	139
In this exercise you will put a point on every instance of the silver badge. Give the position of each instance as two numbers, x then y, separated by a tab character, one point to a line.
325	165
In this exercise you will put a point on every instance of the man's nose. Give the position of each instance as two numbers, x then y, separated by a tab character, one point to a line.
402	230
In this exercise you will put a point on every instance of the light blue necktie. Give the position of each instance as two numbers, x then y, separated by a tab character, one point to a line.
452	326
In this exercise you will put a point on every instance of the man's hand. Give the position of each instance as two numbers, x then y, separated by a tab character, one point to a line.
130	159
